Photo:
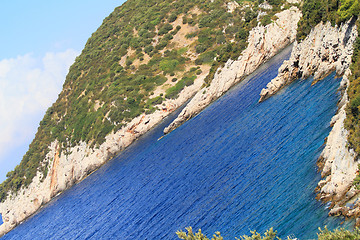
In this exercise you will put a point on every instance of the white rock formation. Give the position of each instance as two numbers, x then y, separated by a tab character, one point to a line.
339	163
263	43
294	1
265	5
325	49
231	6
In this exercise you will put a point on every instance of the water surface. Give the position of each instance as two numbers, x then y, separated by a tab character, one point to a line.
236	167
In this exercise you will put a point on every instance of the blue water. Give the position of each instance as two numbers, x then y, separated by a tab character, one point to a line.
236	167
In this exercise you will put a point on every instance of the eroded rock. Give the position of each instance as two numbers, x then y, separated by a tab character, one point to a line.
324	50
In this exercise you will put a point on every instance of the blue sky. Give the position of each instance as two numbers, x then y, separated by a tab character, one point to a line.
39	41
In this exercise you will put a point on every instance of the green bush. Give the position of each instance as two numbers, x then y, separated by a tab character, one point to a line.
172	17
168	65
200	48
265	20
155	101
347	9
165	29
190	235
324	234
339	234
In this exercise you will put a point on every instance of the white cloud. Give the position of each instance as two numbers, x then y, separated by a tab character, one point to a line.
28	86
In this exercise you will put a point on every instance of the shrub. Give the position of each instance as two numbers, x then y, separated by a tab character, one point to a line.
338	234
189	80
168	65
172	17
148	49
242	34
348	8
265	20
165	29
155	101
268	235
161	44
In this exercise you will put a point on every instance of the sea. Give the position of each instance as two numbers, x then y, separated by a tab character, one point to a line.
237	166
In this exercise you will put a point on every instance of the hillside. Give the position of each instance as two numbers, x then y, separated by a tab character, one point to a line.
142	54
146	60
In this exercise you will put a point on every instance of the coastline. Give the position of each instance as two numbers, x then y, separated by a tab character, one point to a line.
324	50
338	164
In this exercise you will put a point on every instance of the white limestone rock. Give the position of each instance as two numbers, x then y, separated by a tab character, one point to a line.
340	164
325	49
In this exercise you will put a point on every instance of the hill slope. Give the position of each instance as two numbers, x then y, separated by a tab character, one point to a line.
142	54
144	61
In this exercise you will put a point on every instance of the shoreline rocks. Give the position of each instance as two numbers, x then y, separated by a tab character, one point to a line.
324	50
338	165
337	162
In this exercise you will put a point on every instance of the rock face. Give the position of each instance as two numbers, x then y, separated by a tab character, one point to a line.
337	163
263	43
324	50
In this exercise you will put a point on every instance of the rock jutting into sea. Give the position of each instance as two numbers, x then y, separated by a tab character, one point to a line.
324	50
263	43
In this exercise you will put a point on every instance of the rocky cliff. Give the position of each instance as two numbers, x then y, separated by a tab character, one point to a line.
263	43
338	164
324	50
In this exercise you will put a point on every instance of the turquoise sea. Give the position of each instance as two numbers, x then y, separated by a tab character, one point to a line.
239	165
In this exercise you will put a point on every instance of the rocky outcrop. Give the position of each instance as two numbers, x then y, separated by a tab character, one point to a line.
324	50
263	43
339	165
337	162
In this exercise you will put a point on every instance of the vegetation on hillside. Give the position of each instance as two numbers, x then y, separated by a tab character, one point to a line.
352	122
324	234
190	235
143	53
315	11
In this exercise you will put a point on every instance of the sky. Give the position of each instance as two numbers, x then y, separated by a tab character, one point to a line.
39	41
